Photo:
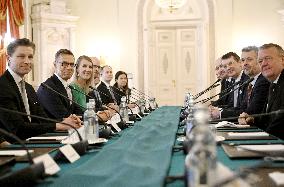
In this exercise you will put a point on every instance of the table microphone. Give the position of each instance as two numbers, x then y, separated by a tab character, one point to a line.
80	147
207	89
226	91
276	112
104	133
122	124
27	176
137	91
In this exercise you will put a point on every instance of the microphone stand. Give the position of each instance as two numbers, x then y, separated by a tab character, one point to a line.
105	133
27	176
277	112
80	147
207	89
140	92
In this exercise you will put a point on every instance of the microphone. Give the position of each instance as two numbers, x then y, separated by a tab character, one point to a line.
276	112
27	176
207	89
80	146
122	124
104	133
149	98
226	90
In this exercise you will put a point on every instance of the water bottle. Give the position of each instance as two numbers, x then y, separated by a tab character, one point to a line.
123	110
91	124
201	160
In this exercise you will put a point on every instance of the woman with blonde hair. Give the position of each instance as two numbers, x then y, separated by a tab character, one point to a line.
82	79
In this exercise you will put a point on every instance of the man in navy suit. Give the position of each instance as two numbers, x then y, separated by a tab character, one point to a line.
233	65
17	95
271	60
55	105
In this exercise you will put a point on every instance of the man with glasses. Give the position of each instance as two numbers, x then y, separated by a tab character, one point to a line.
271	60
233	65
50	92
19	96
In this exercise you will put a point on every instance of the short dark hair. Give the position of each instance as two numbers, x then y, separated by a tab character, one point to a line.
229	55
61	52
250	48
277	47
11	48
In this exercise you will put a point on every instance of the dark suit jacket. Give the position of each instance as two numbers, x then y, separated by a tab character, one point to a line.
235	111
224	100
56	106
258	97
274	124
105	94
96	95
10	98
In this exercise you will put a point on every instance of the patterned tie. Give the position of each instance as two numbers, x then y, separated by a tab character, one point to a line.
249	91
112	95
25	97
69	93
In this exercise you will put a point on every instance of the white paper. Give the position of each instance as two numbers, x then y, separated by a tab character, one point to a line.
50	166
130	122
69	153
115	127
277	178
248	134
73	136
14	152
47	138
115	118
98	141
262	148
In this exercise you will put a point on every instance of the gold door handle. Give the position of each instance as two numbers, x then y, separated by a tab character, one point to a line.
174	83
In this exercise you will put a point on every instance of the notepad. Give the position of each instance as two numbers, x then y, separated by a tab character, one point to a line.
48	138
14	152
262	148
277	178
248	134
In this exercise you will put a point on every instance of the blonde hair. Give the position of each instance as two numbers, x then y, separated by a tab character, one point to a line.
75	76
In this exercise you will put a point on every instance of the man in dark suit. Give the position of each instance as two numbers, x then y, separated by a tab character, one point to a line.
233	65
55	105
104	88
257	90
17	95
271	60
226	82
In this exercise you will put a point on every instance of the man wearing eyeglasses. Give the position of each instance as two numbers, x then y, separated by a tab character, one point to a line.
19	96
50	92
271	60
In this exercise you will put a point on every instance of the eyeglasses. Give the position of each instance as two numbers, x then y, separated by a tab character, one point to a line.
66	64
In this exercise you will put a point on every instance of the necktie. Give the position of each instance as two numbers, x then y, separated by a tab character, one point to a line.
25	97
271	95
249	91
112	95
69	93
236	93
98	98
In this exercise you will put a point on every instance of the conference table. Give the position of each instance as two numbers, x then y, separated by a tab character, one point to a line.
141	155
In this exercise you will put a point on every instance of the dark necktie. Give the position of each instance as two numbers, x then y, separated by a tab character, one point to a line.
271	94
249	91
112	95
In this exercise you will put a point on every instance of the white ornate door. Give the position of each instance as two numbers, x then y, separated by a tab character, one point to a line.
173	64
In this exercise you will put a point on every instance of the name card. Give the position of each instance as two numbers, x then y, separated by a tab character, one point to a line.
115	126
50	166
69	152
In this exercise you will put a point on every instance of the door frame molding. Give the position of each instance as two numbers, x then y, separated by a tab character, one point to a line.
144	8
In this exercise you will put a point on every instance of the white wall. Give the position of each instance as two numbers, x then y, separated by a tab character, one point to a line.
107	28
248	22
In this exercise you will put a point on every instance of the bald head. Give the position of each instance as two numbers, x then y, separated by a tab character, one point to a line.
97	69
